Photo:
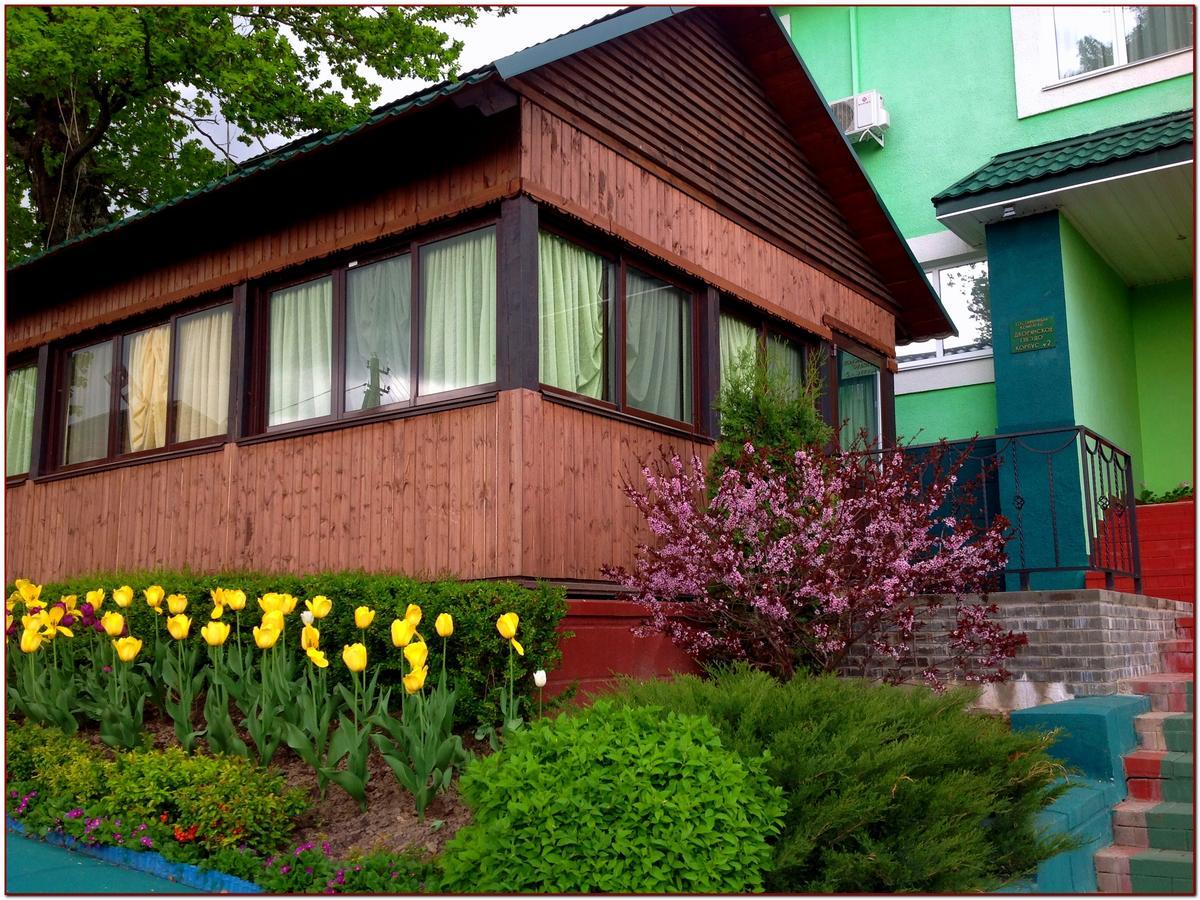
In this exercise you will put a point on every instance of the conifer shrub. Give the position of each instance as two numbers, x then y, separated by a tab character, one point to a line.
614	800
888	789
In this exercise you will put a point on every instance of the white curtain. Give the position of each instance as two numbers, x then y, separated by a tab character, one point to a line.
202	365
301	355
658	347
738	340
378	334
858	399
573	314
88	404
147	361
1153	30
20	394
458	334
785	359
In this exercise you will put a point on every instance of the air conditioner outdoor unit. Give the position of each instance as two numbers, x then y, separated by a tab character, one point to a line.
862	116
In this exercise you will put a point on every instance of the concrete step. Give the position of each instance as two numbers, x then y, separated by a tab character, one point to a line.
1130	870
1164	731
1160	775
1148	824
1168	692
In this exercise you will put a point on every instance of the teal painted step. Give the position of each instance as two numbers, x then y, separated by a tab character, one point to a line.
1162	871
1178	732
1096	731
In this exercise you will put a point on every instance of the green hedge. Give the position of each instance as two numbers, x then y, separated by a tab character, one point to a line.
476	656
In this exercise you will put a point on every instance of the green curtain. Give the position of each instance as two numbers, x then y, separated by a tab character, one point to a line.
147	357
458	334
379	334
573	323
786	358
858	399
88	404
301	354
737	337
203	357
658	347
21	394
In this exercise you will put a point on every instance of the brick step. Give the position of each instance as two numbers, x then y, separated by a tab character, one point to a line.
1179	655
1164	731
1146	824
1185	627
1160	775
1130	870
1168	692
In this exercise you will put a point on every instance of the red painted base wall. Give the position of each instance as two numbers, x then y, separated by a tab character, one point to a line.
605	646
1167	542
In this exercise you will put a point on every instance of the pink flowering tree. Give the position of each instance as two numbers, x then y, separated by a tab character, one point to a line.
828	567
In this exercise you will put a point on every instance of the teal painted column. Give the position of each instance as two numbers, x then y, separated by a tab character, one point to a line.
1033	392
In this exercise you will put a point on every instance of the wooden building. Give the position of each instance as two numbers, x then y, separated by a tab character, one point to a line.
434	343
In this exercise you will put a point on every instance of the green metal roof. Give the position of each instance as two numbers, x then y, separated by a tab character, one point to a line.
1084	151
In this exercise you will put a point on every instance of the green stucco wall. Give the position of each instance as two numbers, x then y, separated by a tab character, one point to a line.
947	78
1162	339
951	413
1100	337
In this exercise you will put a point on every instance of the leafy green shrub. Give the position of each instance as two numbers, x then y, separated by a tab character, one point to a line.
888	789
617	800
476	656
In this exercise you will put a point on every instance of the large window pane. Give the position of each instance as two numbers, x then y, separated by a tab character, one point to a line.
18	419
147	356
858	399
964	292
89	400
1084	36
458	335
203	357
301	353
658	347
574	318
379	334
1154	30
785	359
739	343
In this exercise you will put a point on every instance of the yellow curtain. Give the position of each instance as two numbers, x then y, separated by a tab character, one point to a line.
202	365
147	357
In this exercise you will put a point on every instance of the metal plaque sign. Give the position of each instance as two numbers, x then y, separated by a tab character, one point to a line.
1032	334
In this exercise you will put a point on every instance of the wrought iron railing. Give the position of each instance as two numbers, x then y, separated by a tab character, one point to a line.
1068	496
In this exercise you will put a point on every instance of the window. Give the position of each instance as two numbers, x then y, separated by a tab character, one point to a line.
152	389
345	342
858	400
963	289
21	397
739	339
579	294
1092	38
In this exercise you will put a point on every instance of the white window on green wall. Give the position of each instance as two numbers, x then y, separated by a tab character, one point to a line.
963	289
1093	38
18	419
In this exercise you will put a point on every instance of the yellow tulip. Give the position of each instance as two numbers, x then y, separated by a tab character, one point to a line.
50	619
363	617
69	602
355	657
178	626
235	600
8	620
414	681
31	639
29	591
33	621
319	606
310	638
265	637
113	622
416	653
402	632
444	625
96	599
318	658
12	601
217	595
507	625
123	596
517	646
154	595
216	612
127	648
176	603
288	604
412	615
273	619
215	633
271	602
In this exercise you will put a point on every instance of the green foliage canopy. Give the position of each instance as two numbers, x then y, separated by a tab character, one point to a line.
106	103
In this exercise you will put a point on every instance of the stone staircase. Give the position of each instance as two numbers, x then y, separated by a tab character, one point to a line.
1153	848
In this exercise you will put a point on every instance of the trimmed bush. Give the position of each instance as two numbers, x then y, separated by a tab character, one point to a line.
477	658
615	800
888	789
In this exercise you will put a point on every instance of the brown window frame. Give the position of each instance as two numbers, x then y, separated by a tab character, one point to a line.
620	258
767	326
259	336
52	457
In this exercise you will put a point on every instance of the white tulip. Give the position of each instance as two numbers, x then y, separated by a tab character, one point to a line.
539	678
306	617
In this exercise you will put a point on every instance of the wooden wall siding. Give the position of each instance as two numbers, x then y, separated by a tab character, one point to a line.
425	495
390	211
574	516
567	168
679	94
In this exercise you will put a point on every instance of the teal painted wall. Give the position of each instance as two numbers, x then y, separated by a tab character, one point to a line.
1104	386
951	413
1163	320
947	78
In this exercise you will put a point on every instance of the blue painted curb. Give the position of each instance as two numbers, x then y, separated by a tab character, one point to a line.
149	862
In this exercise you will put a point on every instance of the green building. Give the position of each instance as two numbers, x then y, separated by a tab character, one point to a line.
1040	163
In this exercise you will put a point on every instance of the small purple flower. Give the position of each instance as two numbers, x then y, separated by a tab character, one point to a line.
106	668
74	813
325	848
117	837
68	620
146	842
284	870
308	870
